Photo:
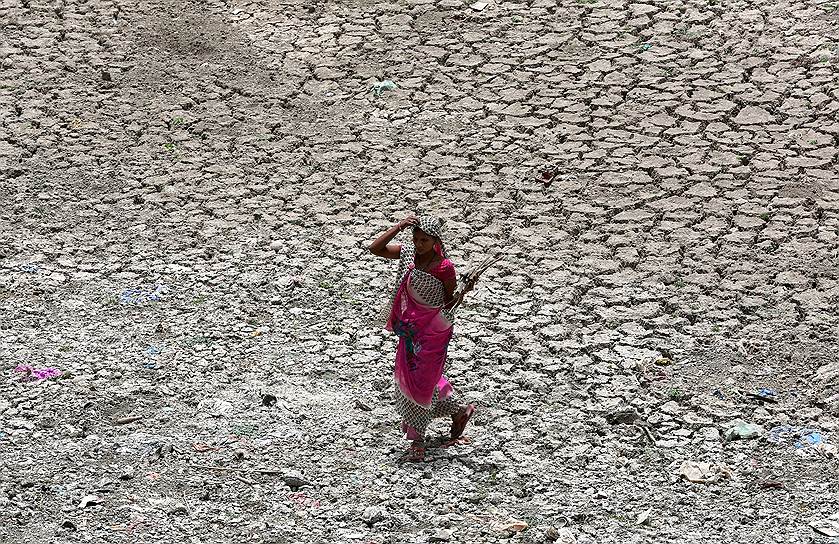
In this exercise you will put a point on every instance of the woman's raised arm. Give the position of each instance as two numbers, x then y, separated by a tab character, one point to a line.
382	247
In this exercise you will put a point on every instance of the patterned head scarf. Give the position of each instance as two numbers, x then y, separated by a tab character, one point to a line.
429	225
434	227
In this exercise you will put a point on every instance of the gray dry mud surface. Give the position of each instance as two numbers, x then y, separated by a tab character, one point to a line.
227	161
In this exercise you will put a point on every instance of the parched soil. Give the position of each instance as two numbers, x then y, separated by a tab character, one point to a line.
187	191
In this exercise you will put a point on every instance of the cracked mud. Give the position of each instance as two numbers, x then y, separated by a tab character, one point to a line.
187	192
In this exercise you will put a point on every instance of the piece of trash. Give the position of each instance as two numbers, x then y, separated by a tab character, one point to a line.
644	517
479	6
810	439
128	419
646	46
703	473
269	400
771	484
740	430
828	526
361	405
806	440
89	500
663	361
513	525
763	395
301	499
31	373
565	536
719	394
140	295
201	447
800	436
215	407
29	268
548	176
152	350
69	525
381	86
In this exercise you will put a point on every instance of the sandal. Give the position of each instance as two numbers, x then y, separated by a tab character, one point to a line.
459	421
416	454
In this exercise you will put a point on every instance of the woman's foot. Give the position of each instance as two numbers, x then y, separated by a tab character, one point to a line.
460	420
416	453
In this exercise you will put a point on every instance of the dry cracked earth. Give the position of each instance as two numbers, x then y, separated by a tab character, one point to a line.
188	190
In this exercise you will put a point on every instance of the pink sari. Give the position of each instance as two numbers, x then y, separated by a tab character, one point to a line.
424	335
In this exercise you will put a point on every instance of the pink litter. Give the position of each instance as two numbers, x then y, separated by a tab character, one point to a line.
36	374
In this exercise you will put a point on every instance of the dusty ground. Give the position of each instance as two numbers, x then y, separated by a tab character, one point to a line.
163	147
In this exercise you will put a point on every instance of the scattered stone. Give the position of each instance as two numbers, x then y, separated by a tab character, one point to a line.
441	535
89	500
625	416
295	481
703	473
373	515
644	517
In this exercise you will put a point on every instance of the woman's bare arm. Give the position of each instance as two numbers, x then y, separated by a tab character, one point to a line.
449	297
382	247
454	300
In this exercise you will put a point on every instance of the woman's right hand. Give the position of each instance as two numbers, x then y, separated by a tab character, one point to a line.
410	221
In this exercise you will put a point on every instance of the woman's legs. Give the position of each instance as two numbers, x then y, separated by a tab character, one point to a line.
415	419
446	407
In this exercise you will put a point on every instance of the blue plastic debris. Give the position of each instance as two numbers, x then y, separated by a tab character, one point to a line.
140	295
813	438
380	86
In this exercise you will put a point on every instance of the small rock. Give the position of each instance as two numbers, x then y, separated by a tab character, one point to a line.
275	245
89	500
178	509
295	482
363	406
441	535
373	515
626	416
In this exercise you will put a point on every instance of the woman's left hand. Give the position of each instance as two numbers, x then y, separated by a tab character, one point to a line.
469	285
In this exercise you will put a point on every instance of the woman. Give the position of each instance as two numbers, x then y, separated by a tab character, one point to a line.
421	315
